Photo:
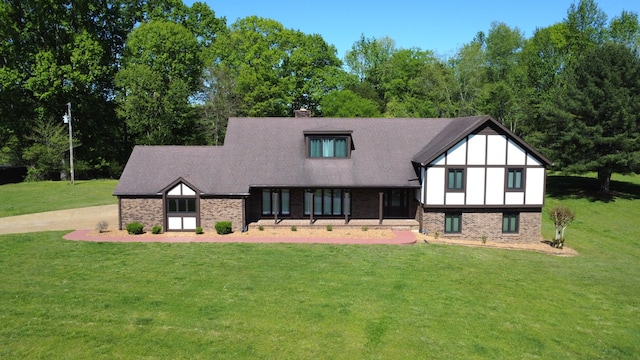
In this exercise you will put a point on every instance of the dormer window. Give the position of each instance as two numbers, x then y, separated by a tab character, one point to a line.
324	145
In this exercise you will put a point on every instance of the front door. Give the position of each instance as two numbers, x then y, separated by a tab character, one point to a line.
396	203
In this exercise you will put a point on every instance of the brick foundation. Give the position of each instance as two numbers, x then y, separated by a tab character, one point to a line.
213	210
476	224
147	211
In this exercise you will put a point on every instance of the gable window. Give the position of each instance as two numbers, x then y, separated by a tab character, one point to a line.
514	179
510	222
328	146
452	222
455	179
284	202
181	208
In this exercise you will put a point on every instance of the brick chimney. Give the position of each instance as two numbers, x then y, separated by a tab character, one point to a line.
302	113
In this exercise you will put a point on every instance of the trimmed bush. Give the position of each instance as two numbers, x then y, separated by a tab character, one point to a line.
223	227
329	228
293	228
135	228
199	231
156	229
102	226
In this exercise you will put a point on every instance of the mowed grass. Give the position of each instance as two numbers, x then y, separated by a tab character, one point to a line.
34	197
76	300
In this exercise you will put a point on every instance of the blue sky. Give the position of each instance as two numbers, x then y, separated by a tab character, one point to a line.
442	26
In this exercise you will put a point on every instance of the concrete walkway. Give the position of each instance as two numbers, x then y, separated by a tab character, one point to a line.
72	219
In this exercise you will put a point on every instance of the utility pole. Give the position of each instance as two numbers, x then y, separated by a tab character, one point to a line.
67	120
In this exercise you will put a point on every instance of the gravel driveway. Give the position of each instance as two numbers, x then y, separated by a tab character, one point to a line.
72	219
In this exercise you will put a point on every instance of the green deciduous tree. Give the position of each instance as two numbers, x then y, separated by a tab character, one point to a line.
161	71
469	76
56	52
220	101
625	29
277	70
346	103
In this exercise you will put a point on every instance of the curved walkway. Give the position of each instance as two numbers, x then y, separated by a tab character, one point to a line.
400	237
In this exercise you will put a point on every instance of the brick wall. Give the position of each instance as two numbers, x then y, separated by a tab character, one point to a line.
147	211
213	210
487	223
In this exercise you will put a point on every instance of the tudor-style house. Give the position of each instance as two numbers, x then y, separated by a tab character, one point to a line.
460	177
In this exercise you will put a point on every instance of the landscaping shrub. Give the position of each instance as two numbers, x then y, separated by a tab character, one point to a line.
293	228
199	230
329	227
223	227
156	229
261	228
102	226
135	228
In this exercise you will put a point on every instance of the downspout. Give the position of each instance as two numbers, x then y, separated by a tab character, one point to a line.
119	213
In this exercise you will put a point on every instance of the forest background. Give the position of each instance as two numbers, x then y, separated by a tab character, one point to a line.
161	72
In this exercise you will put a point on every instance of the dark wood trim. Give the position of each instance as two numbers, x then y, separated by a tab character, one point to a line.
311	193
481	207
490	126
523	177
165	211
275	196
119	213
380	206
508	213
346	204
244	213
165	217
459	214
324	135
463	168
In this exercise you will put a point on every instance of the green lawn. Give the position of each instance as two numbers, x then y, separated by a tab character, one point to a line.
33	197
76	300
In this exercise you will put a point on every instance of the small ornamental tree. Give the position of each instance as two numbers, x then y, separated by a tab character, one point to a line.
562	216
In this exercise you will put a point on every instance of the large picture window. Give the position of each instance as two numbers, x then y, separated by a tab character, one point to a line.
326	202
328	147
515	179
284	201
455	179
452	222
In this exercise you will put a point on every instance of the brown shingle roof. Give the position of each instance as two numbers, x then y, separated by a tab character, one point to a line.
271	152
151	168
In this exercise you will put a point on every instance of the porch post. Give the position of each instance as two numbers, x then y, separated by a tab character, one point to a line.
275	206
245	226
380	206
346	207
310	192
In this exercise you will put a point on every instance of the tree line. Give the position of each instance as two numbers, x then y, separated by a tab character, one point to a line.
160	72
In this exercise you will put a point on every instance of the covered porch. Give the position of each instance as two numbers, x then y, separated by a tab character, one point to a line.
356	224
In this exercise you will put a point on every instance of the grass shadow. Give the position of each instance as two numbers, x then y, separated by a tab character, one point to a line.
583	187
